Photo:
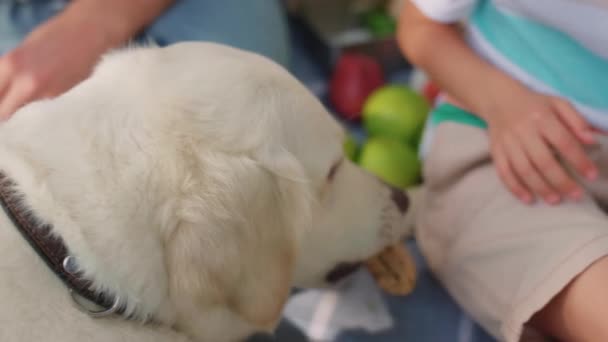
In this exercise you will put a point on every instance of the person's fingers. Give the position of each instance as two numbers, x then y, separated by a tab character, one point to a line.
6	74
568	147
20	92
543	159
521	162
508	176
574	121
599	131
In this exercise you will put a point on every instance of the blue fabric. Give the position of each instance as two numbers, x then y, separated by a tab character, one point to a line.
18	18
577	74
427	315
255	25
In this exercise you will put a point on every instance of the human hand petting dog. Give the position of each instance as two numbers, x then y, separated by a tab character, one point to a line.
61	52
52	59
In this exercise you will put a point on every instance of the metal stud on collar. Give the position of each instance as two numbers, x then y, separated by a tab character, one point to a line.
69	264
95	314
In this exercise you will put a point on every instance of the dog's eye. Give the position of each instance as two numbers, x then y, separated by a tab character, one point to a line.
333	170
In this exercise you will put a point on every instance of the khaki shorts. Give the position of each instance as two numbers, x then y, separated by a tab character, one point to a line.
500	259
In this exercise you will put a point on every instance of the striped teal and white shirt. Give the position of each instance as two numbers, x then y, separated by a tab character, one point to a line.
556	47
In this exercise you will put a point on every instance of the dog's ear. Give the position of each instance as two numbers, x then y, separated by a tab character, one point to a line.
234	248
294	185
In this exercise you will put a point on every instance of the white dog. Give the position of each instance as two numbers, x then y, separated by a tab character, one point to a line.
195	185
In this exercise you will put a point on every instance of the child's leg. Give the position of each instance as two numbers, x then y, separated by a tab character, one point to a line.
502	260
579	312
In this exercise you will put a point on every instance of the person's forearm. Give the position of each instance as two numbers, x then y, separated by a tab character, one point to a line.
121	19
442	53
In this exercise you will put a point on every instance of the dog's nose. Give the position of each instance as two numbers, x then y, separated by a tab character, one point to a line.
400	199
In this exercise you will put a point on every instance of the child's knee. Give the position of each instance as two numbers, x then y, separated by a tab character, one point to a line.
579	311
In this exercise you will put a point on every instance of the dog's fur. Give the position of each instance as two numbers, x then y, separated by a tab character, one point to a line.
198	182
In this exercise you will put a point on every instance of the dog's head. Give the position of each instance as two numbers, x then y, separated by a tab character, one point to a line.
269	200
240	167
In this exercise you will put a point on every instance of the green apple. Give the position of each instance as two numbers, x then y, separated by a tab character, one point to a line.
391	160
395	111
380	23
350	147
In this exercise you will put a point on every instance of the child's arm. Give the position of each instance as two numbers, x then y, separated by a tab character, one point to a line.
525	127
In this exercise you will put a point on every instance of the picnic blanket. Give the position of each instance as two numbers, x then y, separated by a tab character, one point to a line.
357	311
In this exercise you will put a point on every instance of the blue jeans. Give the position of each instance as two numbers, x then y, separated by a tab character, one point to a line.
255	25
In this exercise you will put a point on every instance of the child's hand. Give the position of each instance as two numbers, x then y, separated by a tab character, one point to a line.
63	51
53	58
527	130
